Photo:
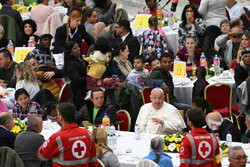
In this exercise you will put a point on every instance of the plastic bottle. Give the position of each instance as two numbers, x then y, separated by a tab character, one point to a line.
170	19
216	65
114	137
33	109
203	60
137	132
159	12
106	123
147	10
10	47
177	58
229	139
189	68
31	43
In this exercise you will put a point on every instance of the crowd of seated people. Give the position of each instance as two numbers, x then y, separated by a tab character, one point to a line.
107	67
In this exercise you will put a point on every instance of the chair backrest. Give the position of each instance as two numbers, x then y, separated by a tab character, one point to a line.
233	64
219	95
123	120
100	163
13	158
64	94
147	163
146	95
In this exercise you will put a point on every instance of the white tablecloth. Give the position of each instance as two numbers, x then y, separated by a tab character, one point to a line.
139	148
183	90
9	99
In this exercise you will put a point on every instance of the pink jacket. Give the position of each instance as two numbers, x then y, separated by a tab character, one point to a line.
3	107
40	14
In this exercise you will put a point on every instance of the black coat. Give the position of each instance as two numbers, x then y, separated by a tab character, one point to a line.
60	38
3	42
86	112
14	14
23	40
76	71
197	91
7	138
228	126
133	45
160	73
240	75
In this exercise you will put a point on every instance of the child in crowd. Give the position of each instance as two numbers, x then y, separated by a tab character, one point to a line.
50	111
103	152
138	75
98	58
26	78
154	61
201	83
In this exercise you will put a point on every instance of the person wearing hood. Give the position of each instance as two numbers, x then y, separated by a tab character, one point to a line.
29	28
95	108
42	52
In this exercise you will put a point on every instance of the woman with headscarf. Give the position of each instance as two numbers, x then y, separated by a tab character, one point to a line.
29	28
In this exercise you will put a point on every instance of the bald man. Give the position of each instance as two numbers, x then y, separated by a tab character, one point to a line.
159	117
216	124
28	142
7	138
97	29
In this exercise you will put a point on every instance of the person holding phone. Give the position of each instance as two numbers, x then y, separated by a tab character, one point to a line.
230	44
192	25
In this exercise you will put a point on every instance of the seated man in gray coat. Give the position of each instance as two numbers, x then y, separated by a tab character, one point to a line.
28	142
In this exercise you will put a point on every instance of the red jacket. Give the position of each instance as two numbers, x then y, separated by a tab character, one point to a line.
71	146
199	148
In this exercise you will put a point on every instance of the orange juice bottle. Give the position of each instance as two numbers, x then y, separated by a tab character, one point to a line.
159	12
106	123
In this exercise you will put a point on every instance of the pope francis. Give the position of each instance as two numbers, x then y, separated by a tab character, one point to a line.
159	117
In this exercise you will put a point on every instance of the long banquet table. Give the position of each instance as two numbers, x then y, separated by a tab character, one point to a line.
130	151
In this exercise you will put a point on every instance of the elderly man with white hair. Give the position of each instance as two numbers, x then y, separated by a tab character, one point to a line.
159	117
216	124
237	157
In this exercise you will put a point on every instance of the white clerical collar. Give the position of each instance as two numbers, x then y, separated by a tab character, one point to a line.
124	37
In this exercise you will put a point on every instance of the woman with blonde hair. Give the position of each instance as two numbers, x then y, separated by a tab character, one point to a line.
103	152
26	78
74	30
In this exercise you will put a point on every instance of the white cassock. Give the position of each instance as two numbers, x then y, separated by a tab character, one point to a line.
173	121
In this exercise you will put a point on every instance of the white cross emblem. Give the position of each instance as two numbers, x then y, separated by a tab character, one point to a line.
204	149
79	149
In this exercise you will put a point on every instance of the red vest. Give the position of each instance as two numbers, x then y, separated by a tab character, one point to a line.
199	148
71	147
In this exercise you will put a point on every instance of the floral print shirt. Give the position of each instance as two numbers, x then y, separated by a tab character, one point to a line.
153	42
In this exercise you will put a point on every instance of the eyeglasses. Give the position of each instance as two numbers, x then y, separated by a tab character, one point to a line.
237	35
240	158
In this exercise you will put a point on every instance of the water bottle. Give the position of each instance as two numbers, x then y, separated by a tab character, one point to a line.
137	132
111	142
177	58
170	19
10	47
229	139
189	68
216	65
147	10
203	60
106	123
31	43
